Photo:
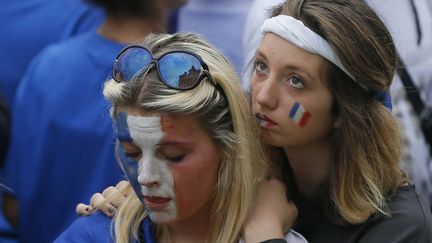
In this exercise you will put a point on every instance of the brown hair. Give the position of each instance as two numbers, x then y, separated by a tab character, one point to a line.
365	172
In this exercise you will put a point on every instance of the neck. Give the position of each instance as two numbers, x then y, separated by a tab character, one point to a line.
128	29
310	165
193	229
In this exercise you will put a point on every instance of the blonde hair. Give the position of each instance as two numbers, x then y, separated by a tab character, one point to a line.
365	173
223	111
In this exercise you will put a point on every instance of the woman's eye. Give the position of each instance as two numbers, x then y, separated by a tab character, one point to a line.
136	155
171	154
175	159
260	67
132	151
296	82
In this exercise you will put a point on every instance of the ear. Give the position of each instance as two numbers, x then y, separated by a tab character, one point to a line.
337	123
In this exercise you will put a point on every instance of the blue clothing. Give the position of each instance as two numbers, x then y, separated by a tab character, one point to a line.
27	26
97	228
62	143
93	228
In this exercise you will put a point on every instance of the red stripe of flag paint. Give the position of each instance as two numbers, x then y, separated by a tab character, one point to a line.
299	115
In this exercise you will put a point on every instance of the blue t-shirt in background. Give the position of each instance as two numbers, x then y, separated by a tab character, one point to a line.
62	144
27	26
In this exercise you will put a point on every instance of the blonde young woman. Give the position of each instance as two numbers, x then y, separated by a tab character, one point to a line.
186	141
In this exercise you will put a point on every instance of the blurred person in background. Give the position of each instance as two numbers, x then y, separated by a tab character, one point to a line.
61	147
27	27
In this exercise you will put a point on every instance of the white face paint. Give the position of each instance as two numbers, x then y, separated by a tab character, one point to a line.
153	173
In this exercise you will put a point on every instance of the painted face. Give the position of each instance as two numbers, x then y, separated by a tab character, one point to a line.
291	104
177	164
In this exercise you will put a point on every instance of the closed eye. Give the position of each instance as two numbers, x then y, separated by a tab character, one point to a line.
131	150
134	155
175	159
171	153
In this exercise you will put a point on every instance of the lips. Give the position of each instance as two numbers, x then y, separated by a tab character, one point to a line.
264	121
156	203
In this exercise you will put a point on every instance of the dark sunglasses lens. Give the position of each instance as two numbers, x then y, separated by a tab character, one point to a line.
180	70
130	63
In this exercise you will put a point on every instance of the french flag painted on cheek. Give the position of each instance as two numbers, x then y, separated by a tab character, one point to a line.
299	115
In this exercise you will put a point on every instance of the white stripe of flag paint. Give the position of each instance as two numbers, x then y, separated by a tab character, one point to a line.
299	115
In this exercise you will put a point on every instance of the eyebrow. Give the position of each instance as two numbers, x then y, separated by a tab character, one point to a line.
171	142
288	66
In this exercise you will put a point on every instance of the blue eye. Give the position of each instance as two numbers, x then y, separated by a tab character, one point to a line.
261	67
296	82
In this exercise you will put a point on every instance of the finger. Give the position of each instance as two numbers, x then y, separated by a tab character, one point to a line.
125	187
109	191
122	185
117	200
96	199
108	209
83	209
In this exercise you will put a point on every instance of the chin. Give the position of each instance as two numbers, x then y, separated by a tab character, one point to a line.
267	139
163	217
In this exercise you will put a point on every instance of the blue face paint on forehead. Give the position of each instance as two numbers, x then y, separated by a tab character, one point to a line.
121	127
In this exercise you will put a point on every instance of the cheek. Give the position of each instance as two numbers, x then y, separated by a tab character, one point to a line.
193	186
299	115
254	91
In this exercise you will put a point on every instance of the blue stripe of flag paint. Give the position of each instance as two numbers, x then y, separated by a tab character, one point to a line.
294	110
121	127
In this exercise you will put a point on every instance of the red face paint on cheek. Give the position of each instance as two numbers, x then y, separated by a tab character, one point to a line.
194	182
299	115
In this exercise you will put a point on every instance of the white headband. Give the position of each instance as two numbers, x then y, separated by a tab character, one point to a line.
297	33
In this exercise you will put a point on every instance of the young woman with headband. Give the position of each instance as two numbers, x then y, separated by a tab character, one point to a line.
319	92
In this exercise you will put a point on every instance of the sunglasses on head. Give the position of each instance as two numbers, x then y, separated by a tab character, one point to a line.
180	70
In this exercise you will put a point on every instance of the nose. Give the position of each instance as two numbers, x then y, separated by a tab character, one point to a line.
267	93
149	172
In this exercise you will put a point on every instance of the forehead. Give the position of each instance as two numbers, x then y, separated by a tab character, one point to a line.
178	127
282	53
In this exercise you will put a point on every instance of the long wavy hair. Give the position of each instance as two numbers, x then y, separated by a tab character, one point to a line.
365	173
223	111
